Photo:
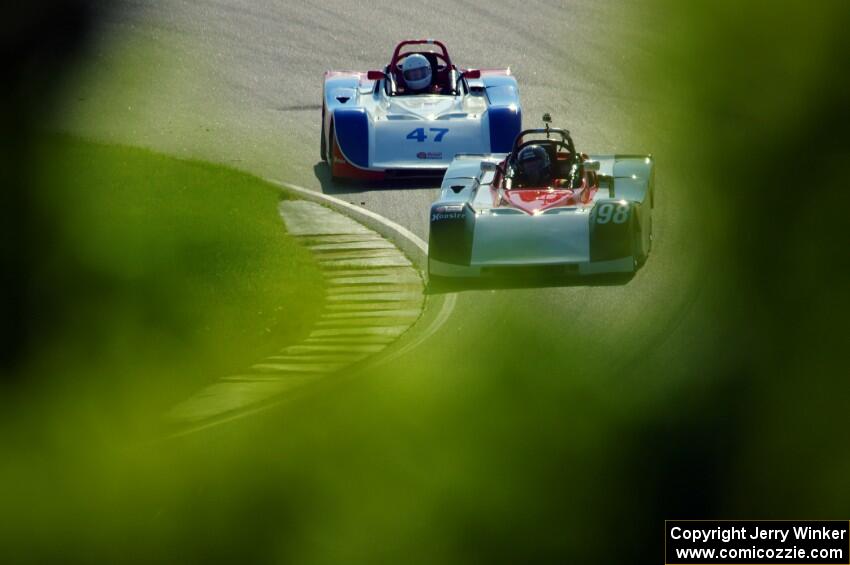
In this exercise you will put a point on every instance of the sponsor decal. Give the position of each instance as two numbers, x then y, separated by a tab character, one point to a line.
429	155
451	212
447	216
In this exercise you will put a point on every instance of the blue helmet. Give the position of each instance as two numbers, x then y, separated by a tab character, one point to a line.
533	165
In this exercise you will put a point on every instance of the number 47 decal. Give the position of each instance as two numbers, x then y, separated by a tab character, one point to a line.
419	134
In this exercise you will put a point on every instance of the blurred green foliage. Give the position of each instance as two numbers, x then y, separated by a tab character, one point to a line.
570	447
768	108
152	276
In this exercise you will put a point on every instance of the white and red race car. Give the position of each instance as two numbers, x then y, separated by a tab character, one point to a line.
591	214
374	128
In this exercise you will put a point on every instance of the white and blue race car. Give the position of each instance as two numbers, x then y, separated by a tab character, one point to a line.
375	127
577	214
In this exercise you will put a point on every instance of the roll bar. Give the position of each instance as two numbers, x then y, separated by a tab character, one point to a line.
440	44
566	139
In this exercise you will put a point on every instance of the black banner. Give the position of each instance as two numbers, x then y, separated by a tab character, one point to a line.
740	542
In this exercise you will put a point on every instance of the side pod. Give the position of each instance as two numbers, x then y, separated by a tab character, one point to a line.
450	236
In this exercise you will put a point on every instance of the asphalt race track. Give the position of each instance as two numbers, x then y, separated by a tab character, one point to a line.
241	84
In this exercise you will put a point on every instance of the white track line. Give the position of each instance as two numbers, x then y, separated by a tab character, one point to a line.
356	211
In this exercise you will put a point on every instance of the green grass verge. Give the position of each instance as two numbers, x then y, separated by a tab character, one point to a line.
155	276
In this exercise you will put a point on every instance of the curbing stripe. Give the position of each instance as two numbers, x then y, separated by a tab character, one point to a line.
410	243
373	339
375	272
342	238
272	377
227	401
372	244
364	322
369	306
344	289
399	261
337	332
378	272
298	367
337	347
359	254
374	296
323	358
370	314
385	279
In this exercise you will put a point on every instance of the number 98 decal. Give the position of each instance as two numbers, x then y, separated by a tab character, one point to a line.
612	212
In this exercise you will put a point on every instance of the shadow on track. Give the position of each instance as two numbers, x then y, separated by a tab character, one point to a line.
525	278
339	187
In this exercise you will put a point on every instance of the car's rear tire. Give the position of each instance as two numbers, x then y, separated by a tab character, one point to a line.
332	151
324	146
638	252
651	237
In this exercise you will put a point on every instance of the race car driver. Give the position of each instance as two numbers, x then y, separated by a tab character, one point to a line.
417	75
533	167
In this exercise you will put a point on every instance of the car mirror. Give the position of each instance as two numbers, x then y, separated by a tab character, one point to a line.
376	75
487	166
590	165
